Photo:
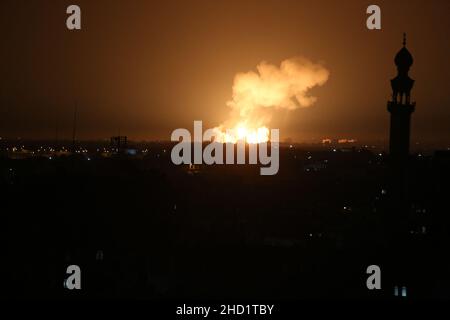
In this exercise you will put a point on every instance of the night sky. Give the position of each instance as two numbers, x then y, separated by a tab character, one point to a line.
145	68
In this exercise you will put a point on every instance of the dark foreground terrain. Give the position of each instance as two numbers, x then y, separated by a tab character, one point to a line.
141	227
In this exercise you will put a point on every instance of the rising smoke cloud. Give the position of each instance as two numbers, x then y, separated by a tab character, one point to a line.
257	95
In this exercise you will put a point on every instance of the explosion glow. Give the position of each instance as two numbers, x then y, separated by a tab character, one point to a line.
242	132
257	95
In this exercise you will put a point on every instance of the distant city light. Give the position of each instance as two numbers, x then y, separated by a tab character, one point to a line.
403	291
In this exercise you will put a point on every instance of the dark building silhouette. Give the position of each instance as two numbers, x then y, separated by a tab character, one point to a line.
118	143
401	106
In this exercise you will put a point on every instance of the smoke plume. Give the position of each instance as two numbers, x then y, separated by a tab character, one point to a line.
256	95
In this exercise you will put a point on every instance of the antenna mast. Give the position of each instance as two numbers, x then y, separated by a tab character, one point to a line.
74	126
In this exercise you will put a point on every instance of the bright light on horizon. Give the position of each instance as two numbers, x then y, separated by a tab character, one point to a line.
242	133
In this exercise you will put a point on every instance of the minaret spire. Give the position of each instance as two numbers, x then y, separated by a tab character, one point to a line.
402	84
401	106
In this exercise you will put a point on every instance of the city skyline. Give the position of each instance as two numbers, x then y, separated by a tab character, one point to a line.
199	154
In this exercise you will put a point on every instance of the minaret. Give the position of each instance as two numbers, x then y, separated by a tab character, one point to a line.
397	220
401	107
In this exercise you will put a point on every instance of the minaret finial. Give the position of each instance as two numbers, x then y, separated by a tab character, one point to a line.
404	38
